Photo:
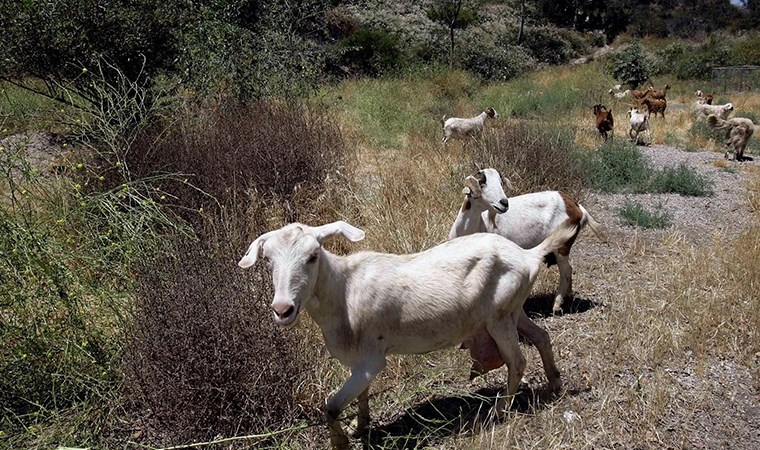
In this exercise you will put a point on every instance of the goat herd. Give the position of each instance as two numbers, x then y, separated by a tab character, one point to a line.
468	291
737	130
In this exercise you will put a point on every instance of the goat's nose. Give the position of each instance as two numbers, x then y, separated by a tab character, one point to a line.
283	310
504	202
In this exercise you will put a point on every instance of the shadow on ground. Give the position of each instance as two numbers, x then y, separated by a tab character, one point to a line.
540	305
430	422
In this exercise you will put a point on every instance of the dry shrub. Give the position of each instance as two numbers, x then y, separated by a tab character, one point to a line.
532	158
225	153
203	357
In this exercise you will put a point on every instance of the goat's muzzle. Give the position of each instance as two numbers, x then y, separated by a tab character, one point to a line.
285	313
502	207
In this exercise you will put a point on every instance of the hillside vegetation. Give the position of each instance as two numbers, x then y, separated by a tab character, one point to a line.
137	165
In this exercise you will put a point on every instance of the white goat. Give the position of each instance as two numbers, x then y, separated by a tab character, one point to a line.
619	95
722	111
458	128
529	220
369	305
639	123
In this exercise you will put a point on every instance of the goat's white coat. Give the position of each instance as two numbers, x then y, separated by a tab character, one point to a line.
369	305
459	128
528	221
619	95
722	111
639	122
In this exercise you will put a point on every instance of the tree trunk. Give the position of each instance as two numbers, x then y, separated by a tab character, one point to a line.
452	25
522	22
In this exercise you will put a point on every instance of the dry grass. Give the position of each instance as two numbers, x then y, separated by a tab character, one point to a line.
658	351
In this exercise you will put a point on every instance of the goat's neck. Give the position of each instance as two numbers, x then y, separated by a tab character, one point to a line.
469	220
329	290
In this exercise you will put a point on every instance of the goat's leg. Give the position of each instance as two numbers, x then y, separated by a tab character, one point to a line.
359	426
504	332
540	338
565	282
359	381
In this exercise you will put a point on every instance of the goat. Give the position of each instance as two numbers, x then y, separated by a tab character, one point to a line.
655	106
704	99
641	95
458	128
530	219
619	95
604	121
738	131
369	305
704	110
658	95
639	122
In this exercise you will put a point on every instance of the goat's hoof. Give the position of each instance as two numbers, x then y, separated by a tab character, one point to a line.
355	430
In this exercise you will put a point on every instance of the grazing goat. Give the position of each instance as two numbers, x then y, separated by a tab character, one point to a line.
529	220
704	110
458	128
655	106
704	99
641	95
639	123
659	95
619	95
604	121
370	305
738	131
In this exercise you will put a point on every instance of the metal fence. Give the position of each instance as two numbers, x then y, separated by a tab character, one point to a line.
736	78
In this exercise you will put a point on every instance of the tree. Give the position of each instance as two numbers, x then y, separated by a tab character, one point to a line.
455	16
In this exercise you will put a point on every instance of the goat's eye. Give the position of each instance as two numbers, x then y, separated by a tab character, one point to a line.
312	259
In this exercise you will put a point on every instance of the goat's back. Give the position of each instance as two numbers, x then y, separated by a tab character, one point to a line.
439	297
531	217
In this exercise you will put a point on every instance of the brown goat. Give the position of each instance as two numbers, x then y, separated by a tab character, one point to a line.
660	95
655	106
640	95
604	121
708	98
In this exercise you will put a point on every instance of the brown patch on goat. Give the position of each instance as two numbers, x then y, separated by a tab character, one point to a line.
655	106
466	205
480	176
574	217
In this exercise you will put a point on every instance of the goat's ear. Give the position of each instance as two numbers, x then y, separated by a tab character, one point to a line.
254	249
508	184
472	185
466	191
348	231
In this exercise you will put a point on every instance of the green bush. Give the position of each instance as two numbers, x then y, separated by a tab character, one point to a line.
617	166
634	214
370	52
693	62
681	180
547	45
746	50
631	66
496	63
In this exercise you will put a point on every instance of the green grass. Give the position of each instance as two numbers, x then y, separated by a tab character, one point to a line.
22	110
550	93
681	180
617	166
635	215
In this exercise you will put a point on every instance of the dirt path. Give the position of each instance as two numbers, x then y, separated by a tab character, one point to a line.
710	404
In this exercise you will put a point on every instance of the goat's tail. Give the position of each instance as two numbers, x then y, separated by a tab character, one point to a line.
443	120
595	226
561	237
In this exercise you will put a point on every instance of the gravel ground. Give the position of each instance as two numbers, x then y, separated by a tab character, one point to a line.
725	212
